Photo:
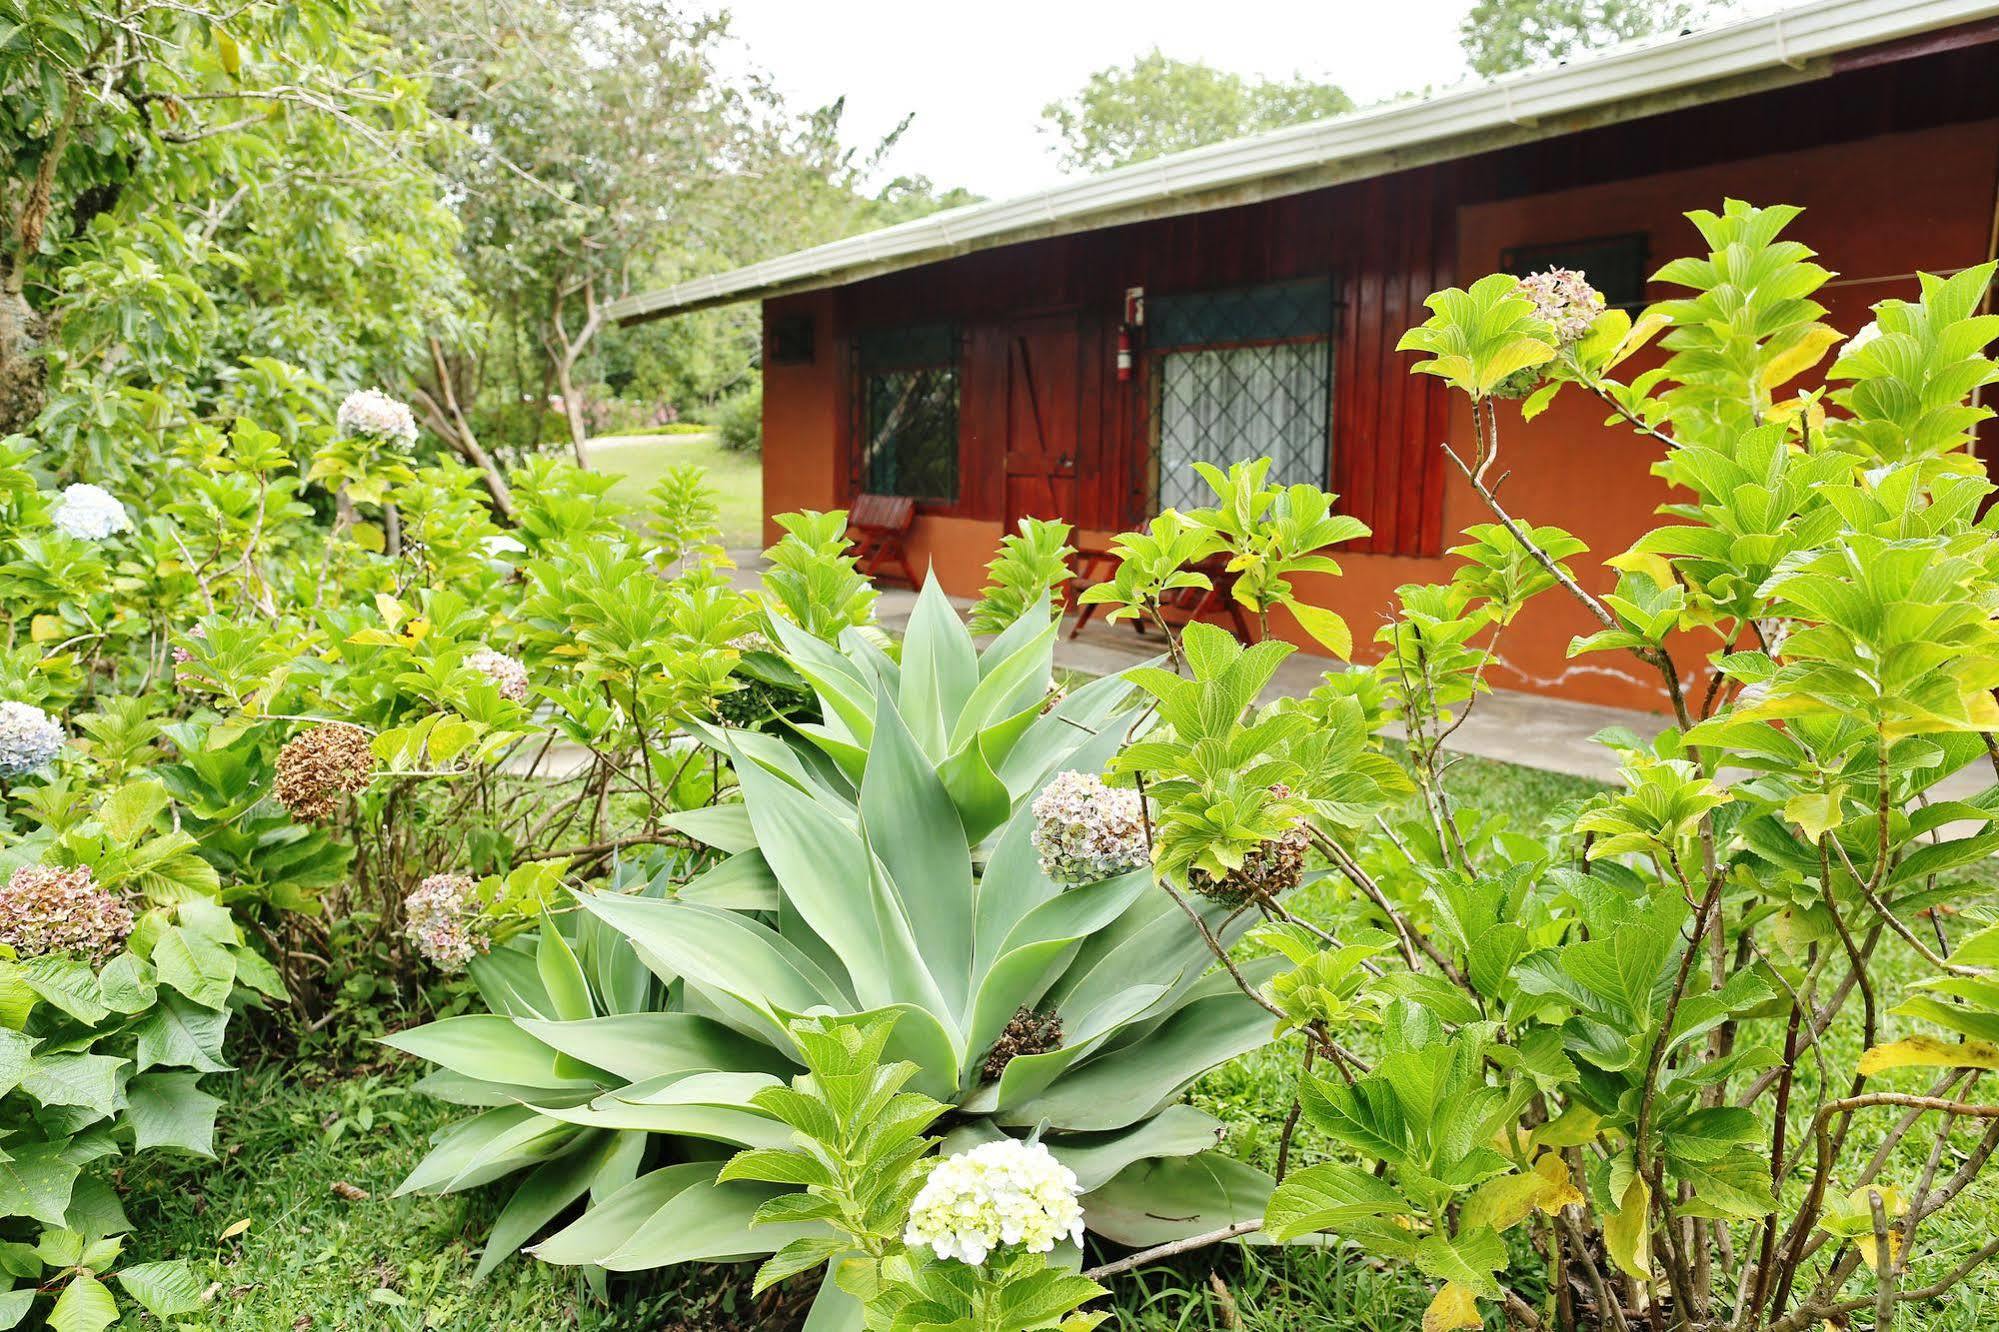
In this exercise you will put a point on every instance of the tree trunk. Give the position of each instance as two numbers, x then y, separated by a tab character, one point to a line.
22	368
447	421
565	351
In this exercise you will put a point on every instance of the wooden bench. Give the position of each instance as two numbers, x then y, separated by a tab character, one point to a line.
879	525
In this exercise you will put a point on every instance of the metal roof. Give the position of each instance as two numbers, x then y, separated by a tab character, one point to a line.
1624	82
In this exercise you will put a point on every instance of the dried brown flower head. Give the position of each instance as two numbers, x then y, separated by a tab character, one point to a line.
1029	1033
319	766
1272	868
47	909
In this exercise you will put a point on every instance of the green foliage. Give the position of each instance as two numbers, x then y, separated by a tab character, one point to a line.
739	420
1500	36
1029	570
1162	105
881	862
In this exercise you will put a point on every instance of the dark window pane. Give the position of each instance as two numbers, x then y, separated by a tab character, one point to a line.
911	442
1273	311
1614	265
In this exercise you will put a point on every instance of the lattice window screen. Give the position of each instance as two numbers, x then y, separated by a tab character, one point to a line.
1242	374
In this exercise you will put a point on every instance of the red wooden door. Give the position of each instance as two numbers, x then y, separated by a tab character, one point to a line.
1043	410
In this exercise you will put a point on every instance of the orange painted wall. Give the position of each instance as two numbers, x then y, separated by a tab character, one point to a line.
1876	210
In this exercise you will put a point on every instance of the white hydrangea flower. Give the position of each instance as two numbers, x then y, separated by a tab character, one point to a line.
507	673
29	738
442	921
1085	831
89	513
1565	299
375	414
997	1194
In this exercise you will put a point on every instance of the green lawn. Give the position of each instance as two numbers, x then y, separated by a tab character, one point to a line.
738	477
286	1253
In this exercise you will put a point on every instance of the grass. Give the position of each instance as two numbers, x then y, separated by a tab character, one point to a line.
737	477
310	1261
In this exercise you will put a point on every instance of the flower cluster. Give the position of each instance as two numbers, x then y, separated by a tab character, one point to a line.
753	641
319	766
374	414
442	921
1029	1033
996	1194
29	738
508	674
1565	299
89	513
44	909
1085	831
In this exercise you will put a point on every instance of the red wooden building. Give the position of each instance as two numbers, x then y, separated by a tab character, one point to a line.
971	360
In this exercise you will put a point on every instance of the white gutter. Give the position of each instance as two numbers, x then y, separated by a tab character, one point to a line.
1787	39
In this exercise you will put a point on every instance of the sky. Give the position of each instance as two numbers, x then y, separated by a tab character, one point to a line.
977	75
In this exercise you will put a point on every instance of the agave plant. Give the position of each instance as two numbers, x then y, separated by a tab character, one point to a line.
879	860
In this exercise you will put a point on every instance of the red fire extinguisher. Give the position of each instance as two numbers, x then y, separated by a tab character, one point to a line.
1134	317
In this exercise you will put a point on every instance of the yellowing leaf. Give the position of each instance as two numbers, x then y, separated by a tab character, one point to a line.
1818	813
1642	332
1572	1128
231	54
46	628
234	1229
1929	1052
1893	1205
1506	1201
389	609
1655	567
1327	627
1627	1232
1453	1308
1800	356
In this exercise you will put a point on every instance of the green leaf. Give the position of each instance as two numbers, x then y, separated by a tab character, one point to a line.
196	965
85	1305
171	1110
167	1290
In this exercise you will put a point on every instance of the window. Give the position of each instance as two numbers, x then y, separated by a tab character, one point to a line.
908	412
1614	265
1241	374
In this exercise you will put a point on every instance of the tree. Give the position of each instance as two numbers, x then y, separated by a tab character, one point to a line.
172	174
1162	105
1499	36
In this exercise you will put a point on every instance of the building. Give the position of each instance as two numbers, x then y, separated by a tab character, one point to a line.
972	359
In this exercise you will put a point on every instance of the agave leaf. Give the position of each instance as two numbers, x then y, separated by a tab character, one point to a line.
743	882
724	827
1157	1201
1123	1086
980	796
485	1147
1011	684
510	983
913	826
1178	1130
827	875
600	1231
722	951
940	669
1027	1076
711	1123
638	1046
1040	944
546	1191
486	1046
